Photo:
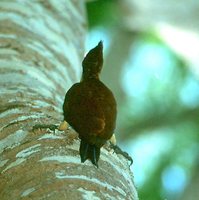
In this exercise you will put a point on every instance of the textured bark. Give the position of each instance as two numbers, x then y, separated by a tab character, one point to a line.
41	48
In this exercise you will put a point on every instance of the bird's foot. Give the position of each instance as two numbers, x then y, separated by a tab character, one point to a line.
117	150
52	127
113	140
63	126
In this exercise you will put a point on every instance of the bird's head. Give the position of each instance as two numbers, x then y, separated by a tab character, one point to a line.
93	61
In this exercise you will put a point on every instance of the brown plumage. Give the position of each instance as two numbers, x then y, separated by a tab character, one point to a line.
90	107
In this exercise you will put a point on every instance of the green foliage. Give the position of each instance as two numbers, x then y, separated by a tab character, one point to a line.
102	13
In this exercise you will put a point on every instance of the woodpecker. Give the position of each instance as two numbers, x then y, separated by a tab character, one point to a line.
90	107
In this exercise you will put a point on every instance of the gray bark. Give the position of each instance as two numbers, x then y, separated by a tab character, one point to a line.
41	48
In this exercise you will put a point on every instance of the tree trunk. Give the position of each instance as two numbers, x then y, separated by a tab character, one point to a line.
41	48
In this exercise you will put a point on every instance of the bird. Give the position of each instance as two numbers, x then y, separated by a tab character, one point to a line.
90	107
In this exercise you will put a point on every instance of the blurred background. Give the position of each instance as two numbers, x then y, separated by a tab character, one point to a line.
151	53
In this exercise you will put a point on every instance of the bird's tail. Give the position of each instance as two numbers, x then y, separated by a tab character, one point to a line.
89	151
